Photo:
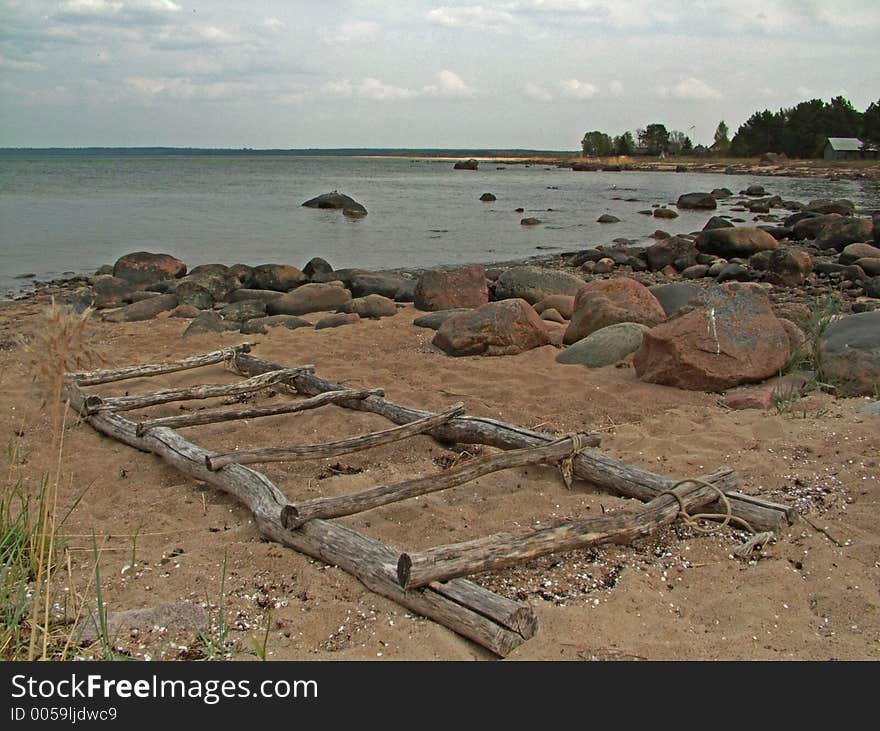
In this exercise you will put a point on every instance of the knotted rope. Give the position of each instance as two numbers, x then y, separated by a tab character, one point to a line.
692	520
566	465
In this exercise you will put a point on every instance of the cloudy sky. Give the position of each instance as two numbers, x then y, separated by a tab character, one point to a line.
515	73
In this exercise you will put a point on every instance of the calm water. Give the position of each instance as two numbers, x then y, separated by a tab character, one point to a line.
74	214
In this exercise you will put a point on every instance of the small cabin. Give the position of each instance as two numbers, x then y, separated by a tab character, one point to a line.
848	148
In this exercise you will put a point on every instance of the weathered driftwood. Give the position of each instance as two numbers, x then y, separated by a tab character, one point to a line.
465	607
142	400
589	465
93	378
507	612
297	513
212	417
332	449
503	549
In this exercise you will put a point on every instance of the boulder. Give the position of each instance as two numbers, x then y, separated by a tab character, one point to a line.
337	201
562	303
664	213
666	251
144	310
208	322
244	310
551	315
142	267
721	193
434	320
810	226
507	327
789	267
337	320
672	297
875	225
731	242
699	201
386	284
466	165
697	271
798	347
533	283
374	306
870	266
734	272
192	293
853	252
243	273
309	298
280	277
607	218
339	275
838	233
530	221
488	197
316	265
872	287
444	290
264	295
261	325
849	354
731	337
110	291
605	346
841	206
185	312
755	190
607	302
717	222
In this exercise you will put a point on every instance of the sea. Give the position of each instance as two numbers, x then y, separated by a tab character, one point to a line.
68	214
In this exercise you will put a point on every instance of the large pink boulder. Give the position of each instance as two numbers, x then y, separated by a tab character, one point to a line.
144	268
731	337
609	301
507	327
448	290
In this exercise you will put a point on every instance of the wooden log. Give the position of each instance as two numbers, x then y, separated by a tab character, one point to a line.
369	560
143	400
93	378
212	417
503	549
594	467
332	449
297	513
511	614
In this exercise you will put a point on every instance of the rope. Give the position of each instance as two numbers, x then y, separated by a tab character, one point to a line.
692	520
566	465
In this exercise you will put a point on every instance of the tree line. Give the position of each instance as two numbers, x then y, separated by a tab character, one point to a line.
799	132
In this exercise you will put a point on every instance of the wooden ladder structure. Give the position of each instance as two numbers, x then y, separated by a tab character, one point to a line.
428	582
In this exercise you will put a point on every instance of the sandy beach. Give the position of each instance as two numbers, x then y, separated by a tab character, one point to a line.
810	594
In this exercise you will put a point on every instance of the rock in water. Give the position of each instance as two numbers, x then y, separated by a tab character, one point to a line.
498	328
336	200
466	165
700	201
732	337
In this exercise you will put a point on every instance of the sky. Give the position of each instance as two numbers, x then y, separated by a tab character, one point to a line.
533	74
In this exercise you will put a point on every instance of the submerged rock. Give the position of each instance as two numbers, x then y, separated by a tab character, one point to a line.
336	200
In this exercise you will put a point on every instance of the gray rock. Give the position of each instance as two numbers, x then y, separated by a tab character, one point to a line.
836	234
337	201
280	277
535	283
731	242
145	310
697	201
607	218
673	297
849	354
243	310
717	222
604	347
309	298
373	306
174	617
387	285
316	265
208	322
872	287
434	320
841	206
191	293
264	295
337	320
261	325
872	408
853	252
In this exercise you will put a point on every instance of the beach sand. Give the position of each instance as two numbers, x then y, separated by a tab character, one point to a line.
679	595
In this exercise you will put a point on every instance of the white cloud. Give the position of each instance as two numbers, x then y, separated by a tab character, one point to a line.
475	16
615	88
578	89
537	92
184	88
116	11
450	84
354	31
273	24
12	64
691	88
369	88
